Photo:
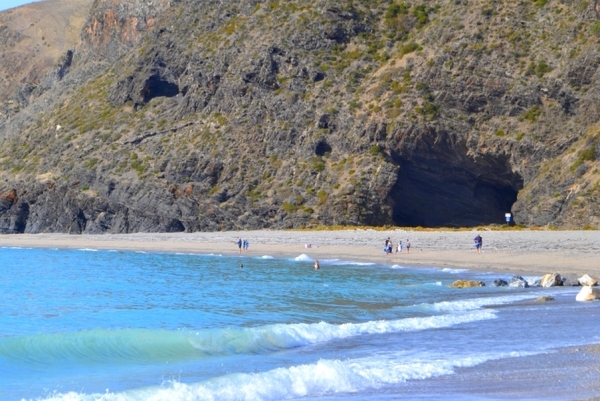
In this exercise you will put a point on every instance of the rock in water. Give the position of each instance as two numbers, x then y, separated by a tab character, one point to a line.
467	283
518	281
500	283
588	293
551	280
546	298
586	280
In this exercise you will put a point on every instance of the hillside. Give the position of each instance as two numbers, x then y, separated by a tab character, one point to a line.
32	40
185	116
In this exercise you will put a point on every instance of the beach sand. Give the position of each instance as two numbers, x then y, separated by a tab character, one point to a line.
570	253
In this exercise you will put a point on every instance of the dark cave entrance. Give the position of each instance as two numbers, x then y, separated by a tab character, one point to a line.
430	193
155	87
322	148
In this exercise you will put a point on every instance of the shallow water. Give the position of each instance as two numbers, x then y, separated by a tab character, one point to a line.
133	326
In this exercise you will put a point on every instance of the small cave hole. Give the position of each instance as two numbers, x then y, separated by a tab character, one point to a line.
322	148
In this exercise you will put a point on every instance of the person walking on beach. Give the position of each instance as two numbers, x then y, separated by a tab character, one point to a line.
387	248
399	248
407	245
245	245
478	243
239	244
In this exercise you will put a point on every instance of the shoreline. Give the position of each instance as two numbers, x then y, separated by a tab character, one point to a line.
570	253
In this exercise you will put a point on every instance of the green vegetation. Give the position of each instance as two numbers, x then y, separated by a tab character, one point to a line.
588	154
533	114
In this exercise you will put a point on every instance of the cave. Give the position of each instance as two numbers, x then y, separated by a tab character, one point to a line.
322	148
155	87
437	193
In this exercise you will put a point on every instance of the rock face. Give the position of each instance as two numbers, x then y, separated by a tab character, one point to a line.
467	284
551	280
586	280
588	293
186	116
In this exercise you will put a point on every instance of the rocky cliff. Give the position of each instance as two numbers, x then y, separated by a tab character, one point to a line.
189	115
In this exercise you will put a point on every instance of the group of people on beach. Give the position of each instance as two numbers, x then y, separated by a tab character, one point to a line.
242	244
388	248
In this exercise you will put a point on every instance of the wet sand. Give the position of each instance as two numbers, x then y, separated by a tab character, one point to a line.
571	253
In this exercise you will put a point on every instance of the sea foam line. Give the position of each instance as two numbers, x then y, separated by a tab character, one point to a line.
476	303
325	377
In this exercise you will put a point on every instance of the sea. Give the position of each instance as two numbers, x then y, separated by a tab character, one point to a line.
122	325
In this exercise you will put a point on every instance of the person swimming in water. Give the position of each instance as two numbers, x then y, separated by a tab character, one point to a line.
317	265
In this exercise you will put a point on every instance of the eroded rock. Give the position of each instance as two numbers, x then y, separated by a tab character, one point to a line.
467	284
551	280
586	280
588	293
518	281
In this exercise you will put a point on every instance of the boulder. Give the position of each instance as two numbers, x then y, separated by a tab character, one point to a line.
545	298
467	283
586	280
518	281
500	283
551	280
588	293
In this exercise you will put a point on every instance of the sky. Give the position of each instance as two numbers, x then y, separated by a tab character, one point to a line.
6	4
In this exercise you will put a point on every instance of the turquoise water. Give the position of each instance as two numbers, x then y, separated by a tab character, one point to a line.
88	325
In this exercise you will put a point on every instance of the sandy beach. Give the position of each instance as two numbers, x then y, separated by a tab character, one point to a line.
570	253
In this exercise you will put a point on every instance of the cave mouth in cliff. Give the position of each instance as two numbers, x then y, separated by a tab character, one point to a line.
434	194
155	87
322	148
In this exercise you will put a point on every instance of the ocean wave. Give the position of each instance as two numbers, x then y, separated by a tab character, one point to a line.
141	345
331	262
267	257
87	250
476	303
454	271
323	378
303	258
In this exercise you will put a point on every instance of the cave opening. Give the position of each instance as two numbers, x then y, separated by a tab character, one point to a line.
155	87
322	148
430	193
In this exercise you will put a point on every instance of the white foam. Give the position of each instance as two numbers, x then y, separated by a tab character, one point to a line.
476	303
397	267
88	250
282	336
267	257
323	378
359	263
303	258
454	271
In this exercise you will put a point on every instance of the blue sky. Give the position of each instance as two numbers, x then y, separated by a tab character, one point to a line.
6	4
